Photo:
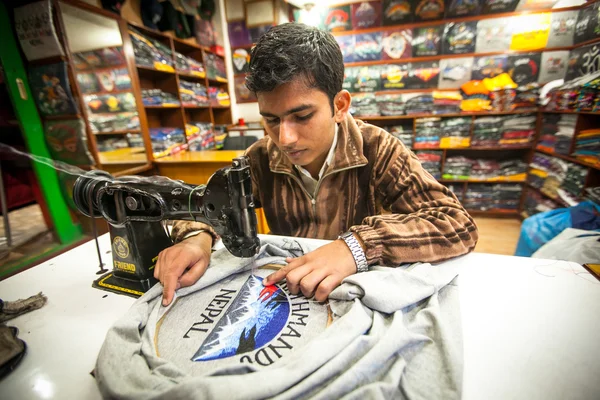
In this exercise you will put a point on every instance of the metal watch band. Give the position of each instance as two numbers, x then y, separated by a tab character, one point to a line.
357	252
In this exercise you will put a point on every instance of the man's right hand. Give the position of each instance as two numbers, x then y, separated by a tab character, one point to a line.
183	264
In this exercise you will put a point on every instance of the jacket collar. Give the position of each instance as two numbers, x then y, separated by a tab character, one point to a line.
348	152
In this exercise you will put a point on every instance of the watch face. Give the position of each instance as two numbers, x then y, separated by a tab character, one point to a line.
459	37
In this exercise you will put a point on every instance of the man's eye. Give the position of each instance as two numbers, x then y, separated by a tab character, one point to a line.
304	117
272	121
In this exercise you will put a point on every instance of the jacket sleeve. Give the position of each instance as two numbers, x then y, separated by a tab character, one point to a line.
425	221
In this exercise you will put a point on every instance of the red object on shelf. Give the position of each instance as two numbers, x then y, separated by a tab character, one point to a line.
218	50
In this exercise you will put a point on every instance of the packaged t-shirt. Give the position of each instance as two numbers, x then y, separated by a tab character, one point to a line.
553	66
393	77
562	29
396	44
489	67
454	72
397	12
338	19
499	6
367	79
426	41
463	8
428	10
346	43
366	14
367	47
459	37
423	75
524	68
493	35
584	26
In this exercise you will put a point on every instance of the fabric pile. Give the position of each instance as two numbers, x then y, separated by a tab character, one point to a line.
579	94
535	203
427	133
446	102
455	133
557	133
574	180
487	131
390	105
504	132
517	130
422	104
229	337
431	162
587	146
558	179
593	194
500	197
364	105
462	168
402	132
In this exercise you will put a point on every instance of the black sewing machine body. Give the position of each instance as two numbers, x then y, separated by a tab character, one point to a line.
136	209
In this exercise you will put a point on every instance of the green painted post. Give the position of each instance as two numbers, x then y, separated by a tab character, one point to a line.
31	126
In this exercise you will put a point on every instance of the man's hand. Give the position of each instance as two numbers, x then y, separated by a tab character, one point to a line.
183	264
318	272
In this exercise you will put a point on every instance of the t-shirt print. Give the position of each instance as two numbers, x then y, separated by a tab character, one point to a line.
238	321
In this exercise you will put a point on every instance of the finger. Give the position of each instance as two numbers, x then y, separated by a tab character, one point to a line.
294	277
169	287
326	287
282	272
158	265
309	282
194	273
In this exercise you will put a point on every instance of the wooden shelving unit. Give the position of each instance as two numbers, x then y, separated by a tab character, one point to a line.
585	120
168	81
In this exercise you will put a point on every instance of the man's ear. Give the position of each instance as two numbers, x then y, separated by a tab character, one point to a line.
341	104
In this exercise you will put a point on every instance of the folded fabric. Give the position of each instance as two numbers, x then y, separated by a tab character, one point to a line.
12	309
395	333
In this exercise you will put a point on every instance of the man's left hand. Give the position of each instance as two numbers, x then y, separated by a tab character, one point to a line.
318	272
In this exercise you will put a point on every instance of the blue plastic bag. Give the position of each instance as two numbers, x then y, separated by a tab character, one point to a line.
539	229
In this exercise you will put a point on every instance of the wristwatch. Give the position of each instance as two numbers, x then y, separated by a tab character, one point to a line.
357	252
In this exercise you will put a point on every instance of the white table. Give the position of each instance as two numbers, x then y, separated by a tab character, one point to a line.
530	327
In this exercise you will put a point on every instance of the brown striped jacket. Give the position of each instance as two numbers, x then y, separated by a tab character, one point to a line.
375	187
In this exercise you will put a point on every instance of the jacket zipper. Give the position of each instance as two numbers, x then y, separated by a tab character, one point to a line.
314	199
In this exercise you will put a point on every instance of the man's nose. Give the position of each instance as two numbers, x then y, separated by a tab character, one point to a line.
287	134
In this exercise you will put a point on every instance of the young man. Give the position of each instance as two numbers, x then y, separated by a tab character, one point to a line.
322	174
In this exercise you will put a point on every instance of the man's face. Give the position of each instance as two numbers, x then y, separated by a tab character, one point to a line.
300	121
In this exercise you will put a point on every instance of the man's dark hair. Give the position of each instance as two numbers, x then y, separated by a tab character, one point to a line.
294	50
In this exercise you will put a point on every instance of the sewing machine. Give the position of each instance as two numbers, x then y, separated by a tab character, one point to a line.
136	209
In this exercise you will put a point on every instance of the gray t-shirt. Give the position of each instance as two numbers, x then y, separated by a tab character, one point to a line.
387	333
